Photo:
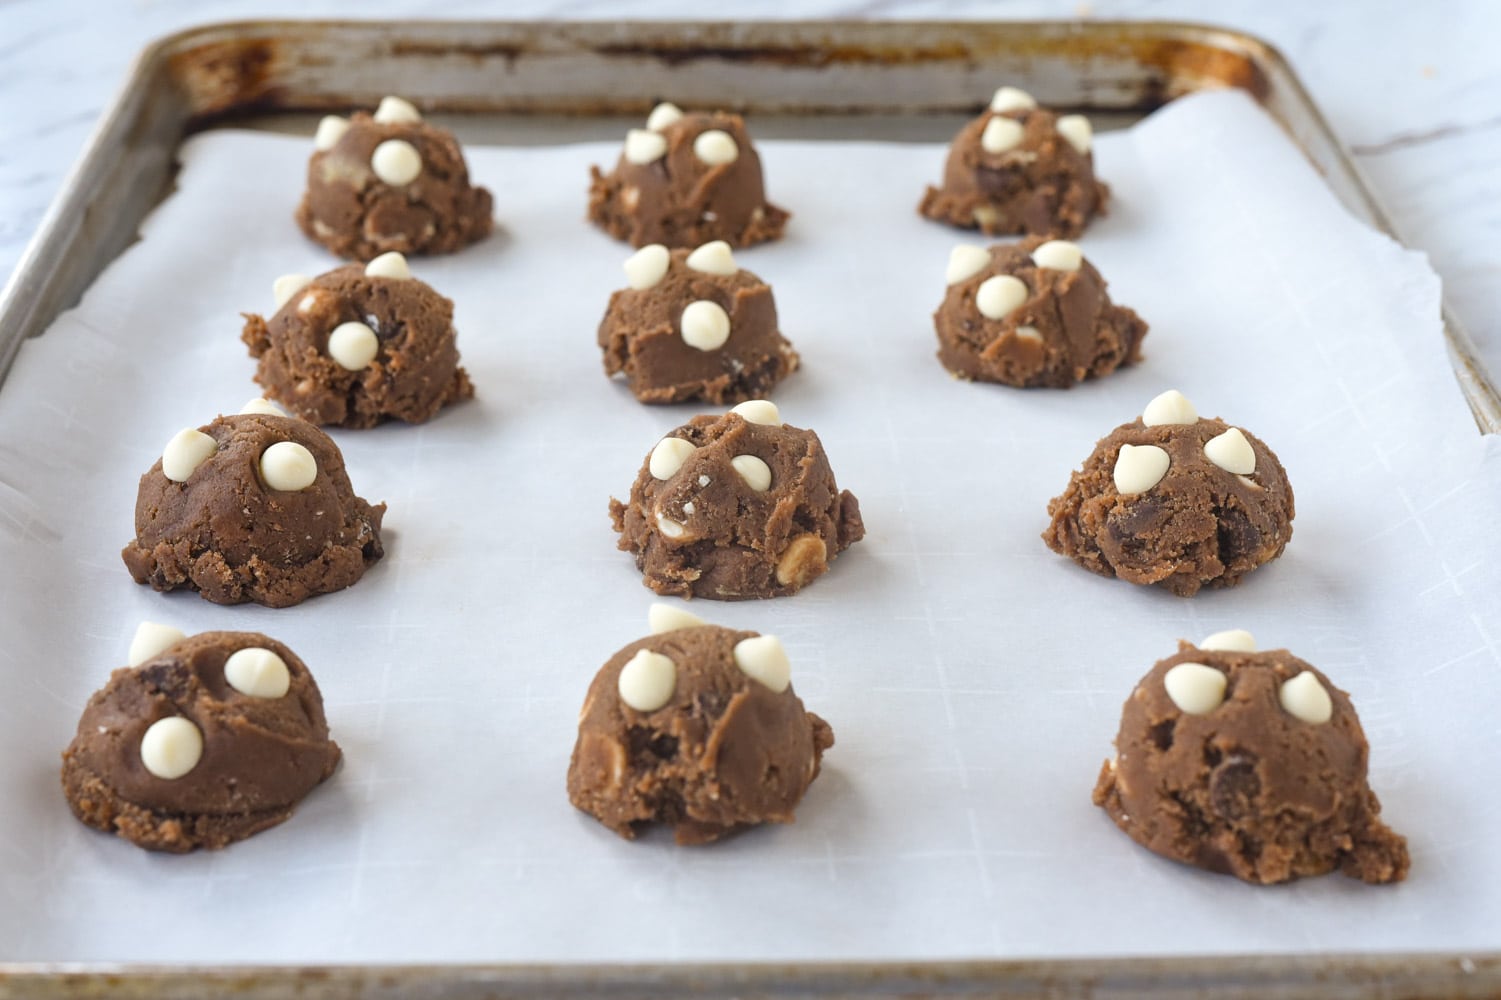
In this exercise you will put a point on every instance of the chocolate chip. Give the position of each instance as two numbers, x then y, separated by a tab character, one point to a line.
1234	787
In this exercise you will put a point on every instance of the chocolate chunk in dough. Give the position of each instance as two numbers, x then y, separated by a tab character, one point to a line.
1174	500
390	181
359	345
1019	168
1032	314
254	507
694	326
735	507
683	181
204	742
1250	764
696	727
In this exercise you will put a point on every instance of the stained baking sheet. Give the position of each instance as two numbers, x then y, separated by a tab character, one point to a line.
972	677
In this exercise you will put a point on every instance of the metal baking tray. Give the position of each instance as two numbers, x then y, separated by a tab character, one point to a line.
540	82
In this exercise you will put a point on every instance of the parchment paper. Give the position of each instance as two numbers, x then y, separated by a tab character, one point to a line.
972	677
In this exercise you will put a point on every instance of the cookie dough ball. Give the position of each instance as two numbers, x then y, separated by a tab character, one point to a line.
1175	500
694	326
696	727
390	181
1250	764
1032	314
685	180
199	742
254	507
1019	168
735	507
359	345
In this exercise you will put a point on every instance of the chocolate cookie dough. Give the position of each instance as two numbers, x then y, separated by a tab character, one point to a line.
1174	500
735	507
1019	168
359	345
199	742
694	326
254	507
1032	314
390	181
696	727
1250	764
683	181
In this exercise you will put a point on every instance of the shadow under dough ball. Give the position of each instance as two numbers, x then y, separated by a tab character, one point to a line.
1174	500
1250	764
683	181
390	181
698	728
203	743
359	345
1020	169
252	507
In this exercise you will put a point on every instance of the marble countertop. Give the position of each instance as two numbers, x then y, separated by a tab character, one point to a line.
1413	90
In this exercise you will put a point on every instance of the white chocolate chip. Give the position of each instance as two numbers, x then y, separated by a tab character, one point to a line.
715	147
1231	452
642	147
1028	333
286	286
1195	688
669	618
1076	130
663	115
389	265
670	528
713	258
353	345
756	473
668	457
1000	295
647	266
1139	467
762	658
1170	407
759	411
396	162
331	129
966	261
308	302
393	110
187	450
263	406
1012	99
705	325
1058	255
647	681
1001	133
151	639
171	747
1304	698
1235	640
288	466
257	672
688	508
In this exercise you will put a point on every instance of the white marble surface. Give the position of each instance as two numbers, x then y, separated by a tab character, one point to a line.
1412	89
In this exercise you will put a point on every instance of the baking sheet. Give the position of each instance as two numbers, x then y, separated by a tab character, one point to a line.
973	678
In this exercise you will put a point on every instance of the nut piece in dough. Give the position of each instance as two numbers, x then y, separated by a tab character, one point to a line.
171	755
708	530
724	750
390	181
701	328
1247	788
361	345
233	536
1014	314
699	180
1197	526
1019	169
